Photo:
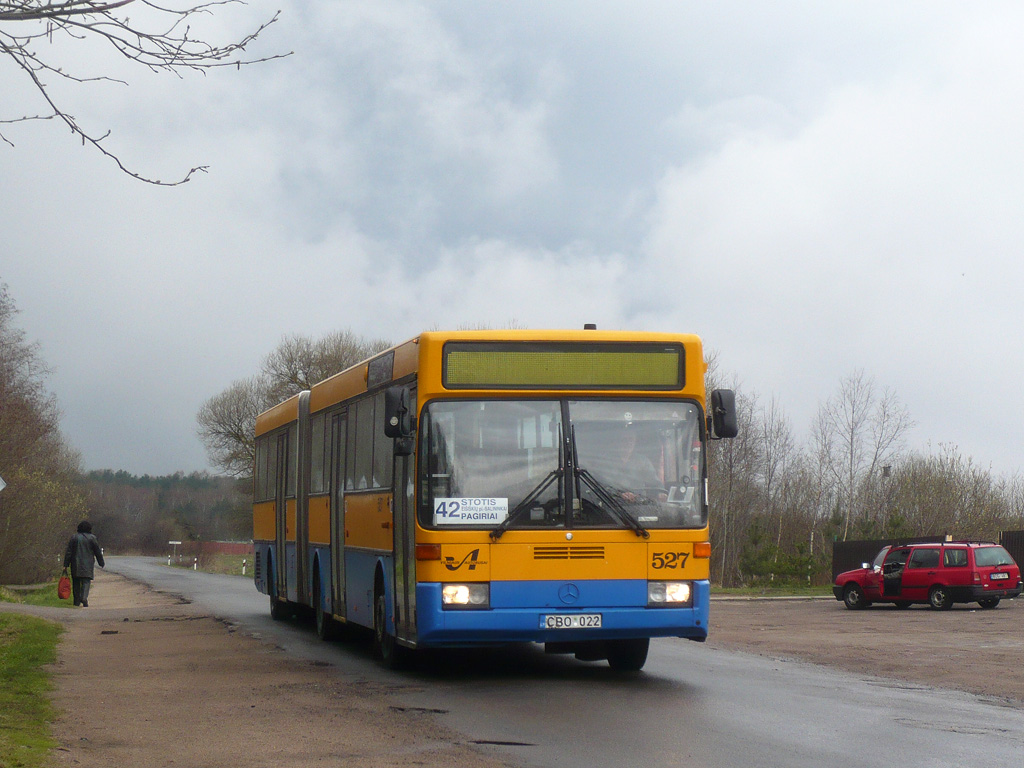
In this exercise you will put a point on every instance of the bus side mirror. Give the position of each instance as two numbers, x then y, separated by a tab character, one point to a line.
399	420
723	414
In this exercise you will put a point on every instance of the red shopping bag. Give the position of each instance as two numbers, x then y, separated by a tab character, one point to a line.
64	586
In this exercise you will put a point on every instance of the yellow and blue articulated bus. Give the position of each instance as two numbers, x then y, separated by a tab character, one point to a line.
486	487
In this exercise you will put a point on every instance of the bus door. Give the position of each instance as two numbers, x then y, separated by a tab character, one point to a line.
404	529
281	514
338	432
302	503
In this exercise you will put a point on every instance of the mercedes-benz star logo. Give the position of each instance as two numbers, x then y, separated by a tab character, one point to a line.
568	593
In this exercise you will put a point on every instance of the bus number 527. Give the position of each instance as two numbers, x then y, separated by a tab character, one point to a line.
669	559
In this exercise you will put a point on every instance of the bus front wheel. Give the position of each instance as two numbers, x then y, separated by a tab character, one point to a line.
628	655
385	647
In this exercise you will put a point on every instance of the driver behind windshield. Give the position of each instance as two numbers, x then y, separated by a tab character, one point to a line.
623	466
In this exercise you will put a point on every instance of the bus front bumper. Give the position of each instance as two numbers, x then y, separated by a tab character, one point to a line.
518	613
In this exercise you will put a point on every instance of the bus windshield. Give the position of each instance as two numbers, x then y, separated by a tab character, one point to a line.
561	464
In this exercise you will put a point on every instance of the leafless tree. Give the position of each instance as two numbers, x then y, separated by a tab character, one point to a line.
734	494
855	434
300	362
226	424
227	421
158	38
41	498
777	449
946	492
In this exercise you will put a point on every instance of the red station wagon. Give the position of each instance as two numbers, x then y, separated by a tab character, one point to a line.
939	574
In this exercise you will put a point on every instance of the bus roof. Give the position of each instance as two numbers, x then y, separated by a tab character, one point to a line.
404	359
278	416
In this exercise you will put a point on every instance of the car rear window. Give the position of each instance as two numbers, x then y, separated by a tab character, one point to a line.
988	556
955	558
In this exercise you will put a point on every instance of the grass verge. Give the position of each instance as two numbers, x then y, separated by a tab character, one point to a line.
46	596
27	644
230	565
781	590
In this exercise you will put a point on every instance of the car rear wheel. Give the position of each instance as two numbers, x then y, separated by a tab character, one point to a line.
938	598
853	597
902	604
989	602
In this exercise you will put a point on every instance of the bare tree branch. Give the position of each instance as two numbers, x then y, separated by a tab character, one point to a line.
167	44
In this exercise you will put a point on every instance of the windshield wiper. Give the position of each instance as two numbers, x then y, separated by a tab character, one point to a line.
525	504
555	474
602	492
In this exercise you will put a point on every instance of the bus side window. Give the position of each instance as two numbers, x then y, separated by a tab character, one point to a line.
383	446
292	468
364	445
271	474
318	449
350	448
260	482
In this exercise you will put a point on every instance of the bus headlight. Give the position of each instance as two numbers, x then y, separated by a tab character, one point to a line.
669	594
466	596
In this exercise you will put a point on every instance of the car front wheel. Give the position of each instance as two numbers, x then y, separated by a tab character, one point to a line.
853	597
939	599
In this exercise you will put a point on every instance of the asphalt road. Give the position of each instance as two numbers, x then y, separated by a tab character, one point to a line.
691	705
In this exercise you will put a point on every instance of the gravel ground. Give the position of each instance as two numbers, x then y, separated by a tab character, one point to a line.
143	679
966	648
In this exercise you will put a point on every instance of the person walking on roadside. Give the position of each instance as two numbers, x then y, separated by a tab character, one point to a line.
82	548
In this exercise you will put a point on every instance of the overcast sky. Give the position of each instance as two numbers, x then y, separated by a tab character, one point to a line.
814	188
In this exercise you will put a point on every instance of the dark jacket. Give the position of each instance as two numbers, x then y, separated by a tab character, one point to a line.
79	555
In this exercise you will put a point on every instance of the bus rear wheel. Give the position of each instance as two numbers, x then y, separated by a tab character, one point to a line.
628	655
279	609
326	628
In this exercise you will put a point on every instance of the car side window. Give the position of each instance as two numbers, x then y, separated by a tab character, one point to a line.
924	558
954	558
896	560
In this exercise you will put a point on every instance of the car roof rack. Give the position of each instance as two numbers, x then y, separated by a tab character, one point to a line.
941	543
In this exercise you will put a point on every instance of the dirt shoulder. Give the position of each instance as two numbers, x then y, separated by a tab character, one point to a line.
143	679
965	648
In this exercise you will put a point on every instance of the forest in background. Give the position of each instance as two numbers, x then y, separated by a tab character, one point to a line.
132	514
41	499
778	500
47	493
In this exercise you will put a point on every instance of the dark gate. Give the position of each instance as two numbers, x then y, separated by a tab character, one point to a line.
1014	543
